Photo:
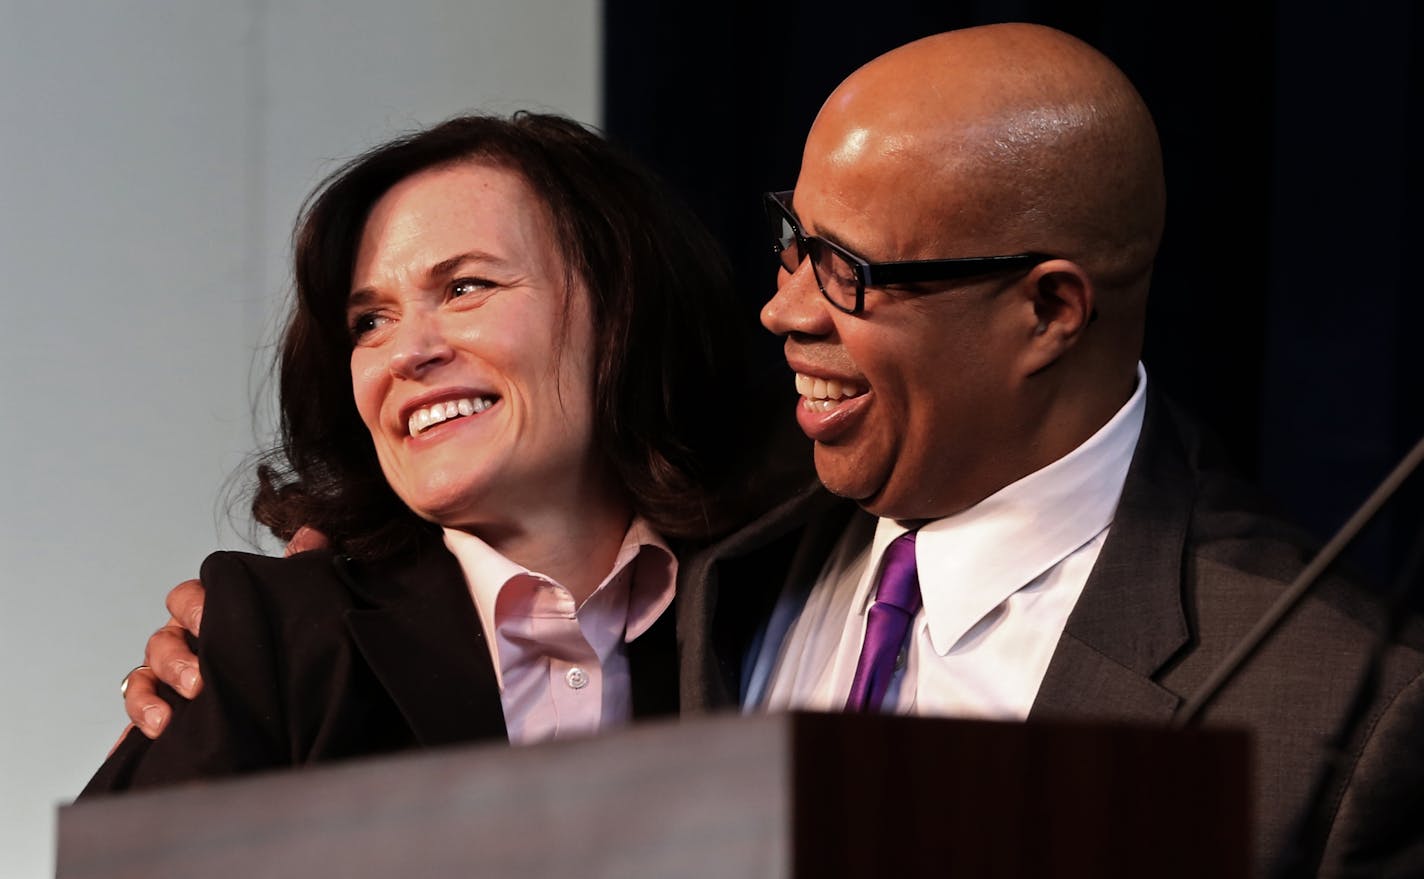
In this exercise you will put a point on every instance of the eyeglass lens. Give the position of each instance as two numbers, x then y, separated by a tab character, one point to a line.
788	249
835	276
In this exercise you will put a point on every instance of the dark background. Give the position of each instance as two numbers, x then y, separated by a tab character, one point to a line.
1282	311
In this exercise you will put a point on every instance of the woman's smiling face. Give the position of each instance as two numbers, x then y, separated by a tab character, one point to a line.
472	363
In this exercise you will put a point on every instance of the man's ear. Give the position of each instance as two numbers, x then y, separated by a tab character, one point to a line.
1063	303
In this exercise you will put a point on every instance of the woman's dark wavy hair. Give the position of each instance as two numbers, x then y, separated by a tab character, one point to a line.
669	345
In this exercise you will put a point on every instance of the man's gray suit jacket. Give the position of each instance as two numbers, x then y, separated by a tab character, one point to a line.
1190	564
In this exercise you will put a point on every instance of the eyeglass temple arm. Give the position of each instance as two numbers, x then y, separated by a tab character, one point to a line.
915	271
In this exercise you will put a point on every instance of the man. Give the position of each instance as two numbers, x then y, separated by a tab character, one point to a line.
1076	554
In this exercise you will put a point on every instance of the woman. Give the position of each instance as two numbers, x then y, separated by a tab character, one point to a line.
512	374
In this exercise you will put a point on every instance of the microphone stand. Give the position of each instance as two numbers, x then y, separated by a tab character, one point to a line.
1187	714
1308	838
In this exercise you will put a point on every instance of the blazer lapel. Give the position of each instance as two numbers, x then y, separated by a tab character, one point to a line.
1130	621
417	627
726	591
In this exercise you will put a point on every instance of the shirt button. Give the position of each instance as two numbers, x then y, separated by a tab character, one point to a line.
576	678
901	658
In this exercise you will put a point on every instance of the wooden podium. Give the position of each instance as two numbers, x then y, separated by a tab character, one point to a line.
765	796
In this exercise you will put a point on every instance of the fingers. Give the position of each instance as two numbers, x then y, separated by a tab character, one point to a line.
172	661
306	538
167	658
145	708
185	604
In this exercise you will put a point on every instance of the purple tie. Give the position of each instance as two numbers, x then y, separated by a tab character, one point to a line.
897	600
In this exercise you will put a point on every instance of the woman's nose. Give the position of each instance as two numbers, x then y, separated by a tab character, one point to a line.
420	345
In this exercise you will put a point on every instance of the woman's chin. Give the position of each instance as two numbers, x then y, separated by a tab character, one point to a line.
446	508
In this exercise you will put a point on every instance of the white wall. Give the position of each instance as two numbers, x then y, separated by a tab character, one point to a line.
152	159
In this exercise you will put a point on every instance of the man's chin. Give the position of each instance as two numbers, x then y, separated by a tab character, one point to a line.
848	478
877	497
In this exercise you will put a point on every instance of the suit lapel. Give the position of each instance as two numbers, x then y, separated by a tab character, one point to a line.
418	629
726	591
1130	621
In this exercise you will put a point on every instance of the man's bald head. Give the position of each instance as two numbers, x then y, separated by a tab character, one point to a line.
1022	136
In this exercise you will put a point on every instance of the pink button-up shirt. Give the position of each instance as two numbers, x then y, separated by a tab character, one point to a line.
562	668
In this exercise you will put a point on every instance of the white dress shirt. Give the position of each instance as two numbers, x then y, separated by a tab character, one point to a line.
563	669
998	581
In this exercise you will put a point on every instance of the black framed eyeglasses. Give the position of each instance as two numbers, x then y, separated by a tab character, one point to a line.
843	276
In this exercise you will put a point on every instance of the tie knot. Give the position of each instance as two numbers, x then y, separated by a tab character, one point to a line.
899	579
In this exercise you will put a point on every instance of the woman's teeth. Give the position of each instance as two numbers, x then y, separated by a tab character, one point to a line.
422	420
822	394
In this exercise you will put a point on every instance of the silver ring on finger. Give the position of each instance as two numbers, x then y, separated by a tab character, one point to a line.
124	684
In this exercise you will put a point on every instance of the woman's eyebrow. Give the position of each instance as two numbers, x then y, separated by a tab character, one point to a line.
447	267
441	270
359	298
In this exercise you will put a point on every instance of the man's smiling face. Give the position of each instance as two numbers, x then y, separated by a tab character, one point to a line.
908	401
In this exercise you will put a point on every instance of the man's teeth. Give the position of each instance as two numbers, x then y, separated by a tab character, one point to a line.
822	394
422	420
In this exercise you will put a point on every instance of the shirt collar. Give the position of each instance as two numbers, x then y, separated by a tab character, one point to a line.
654	577
971	562
653	572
